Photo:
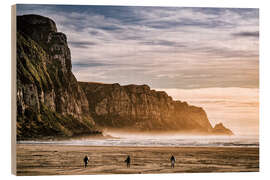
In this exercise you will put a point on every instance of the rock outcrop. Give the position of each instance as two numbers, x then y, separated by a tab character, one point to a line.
220	129
137	107
49	100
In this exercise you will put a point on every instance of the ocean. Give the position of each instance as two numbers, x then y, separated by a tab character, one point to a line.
156	141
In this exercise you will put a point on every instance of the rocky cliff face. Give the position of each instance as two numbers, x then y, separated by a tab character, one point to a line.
49	100
139	108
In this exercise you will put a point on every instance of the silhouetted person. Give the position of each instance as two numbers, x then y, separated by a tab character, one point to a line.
85	160
172	161
128	161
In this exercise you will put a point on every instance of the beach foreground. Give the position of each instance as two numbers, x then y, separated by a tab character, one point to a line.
65	159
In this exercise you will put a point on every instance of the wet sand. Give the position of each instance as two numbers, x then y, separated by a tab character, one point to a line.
63	159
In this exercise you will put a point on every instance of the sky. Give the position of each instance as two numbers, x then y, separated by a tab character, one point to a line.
192	53
236	108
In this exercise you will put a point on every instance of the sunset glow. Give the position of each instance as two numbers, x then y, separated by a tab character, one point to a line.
237	108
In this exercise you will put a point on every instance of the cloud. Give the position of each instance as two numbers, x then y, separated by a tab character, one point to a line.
89	64
162	43
247	34
81	44
82	63
165	47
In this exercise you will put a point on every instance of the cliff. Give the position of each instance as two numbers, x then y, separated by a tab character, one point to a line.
137	107
49	100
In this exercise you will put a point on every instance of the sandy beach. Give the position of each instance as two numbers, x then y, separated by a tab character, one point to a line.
66	159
